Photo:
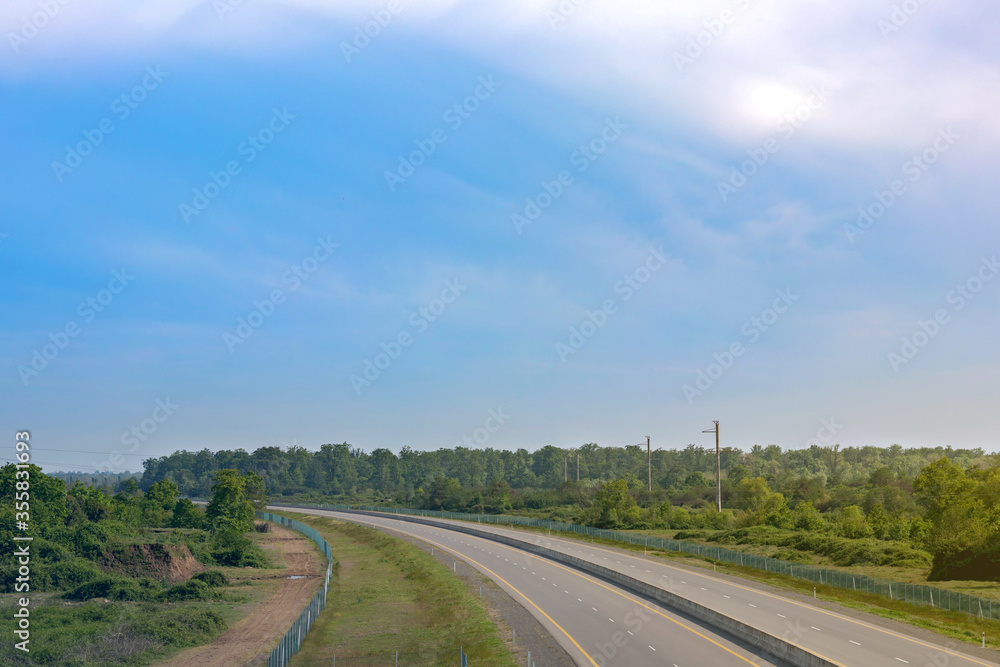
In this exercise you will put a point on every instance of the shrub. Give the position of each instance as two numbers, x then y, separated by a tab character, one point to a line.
135	590
117	588
193	589
212	578
69	574
234	549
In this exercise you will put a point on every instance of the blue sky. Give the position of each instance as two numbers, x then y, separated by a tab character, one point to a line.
622	199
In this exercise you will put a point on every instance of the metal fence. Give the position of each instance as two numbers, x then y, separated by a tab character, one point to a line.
938	598
290	643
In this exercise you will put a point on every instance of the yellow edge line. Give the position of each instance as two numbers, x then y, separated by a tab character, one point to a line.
798	604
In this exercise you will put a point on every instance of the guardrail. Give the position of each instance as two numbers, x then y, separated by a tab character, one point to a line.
292	641
939	598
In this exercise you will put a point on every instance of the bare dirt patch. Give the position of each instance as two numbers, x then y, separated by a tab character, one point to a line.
249	640
172	562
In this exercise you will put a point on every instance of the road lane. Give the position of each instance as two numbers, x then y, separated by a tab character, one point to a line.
598	623
839	638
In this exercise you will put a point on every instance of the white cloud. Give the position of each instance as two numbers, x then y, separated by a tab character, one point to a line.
890	92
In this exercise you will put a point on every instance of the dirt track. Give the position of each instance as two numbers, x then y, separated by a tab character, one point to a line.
246	641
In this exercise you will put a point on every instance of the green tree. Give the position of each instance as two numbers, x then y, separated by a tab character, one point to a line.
851	522
163	494
187	515
807	517
617	506
230	509
878	521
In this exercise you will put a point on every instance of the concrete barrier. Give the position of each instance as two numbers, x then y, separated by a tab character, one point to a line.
776	646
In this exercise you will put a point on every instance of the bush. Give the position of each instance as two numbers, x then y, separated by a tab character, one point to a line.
117	588
69	574
90	590
212	578
192	589
234	549
135	590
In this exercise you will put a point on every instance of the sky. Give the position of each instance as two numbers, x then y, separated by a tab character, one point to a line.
507	224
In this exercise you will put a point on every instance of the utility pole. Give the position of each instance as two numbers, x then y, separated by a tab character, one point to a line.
578	466
649	466
565	470
718	466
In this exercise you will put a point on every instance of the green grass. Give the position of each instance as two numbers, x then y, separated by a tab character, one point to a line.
388	595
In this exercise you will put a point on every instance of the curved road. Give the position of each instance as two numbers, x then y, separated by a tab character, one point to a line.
598	624
584	614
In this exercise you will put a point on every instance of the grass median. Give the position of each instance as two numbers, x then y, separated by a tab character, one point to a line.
388	595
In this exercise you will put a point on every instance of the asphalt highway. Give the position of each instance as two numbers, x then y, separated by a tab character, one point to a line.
599	624
838	638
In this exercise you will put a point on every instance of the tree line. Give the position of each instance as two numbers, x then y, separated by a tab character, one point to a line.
938	499
829	477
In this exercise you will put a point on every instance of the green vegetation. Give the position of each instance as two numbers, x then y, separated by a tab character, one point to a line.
796	546
963	507
882	507
101	633
106	582
389	595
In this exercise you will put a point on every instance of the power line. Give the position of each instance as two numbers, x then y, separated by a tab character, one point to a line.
77	451
64	464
